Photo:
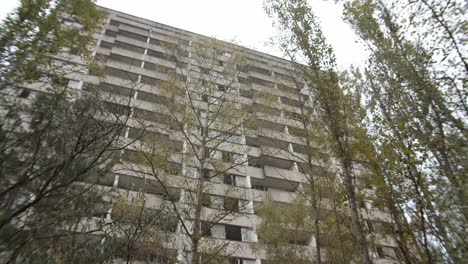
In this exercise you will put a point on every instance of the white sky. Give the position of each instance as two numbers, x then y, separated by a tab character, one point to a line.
242	20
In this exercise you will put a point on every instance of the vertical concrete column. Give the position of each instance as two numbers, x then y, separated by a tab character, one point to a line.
127	130
184	257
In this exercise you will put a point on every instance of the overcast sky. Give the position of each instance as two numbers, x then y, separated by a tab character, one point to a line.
242	20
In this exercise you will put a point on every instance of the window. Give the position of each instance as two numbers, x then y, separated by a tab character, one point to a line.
217	179
161	55
246	206
150	97
130	47
222	88
214	100
189	226
247	261
252	142
150	80
114	22
206	229
226	156
260	70
231	204
261	82
121	74
190	197
235	139
244	93
236	180
241	181
117	108
243	261
232	157
217	202
237	158
155	41
195	96
299	132
191	172
229	179
110	33
260	188
233	233
248	235
253	161
125	59
74	84
24	93
106	45
218	231
290	101
132	35
206	174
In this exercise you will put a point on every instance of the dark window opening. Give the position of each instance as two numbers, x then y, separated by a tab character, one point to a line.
261	82
161	55
114	22
110	33
231	204
124	59
24	93
244	93
233	233
121	74
129	47
132	35
150	80
114	89
106	45
205	229
154	98
260	70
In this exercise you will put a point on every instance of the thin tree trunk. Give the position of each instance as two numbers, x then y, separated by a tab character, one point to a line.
355	216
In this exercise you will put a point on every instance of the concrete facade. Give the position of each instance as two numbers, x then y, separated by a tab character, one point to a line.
136	55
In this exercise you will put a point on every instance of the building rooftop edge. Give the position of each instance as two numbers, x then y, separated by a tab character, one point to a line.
201	35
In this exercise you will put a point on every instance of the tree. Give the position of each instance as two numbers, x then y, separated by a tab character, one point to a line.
55	142
36	30
284	232
192	142
139	233
319	194
304	42
415	84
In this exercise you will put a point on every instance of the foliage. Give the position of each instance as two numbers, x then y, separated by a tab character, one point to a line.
302	40
415	84
35	31
55	143
284	231
188	151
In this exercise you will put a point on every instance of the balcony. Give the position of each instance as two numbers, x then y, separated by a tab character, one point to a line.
283	174
268	183
281	196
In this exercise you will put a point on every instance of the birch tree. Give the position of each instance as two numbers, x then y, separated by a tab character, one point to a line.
302	41
55	141
415	81
193	144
